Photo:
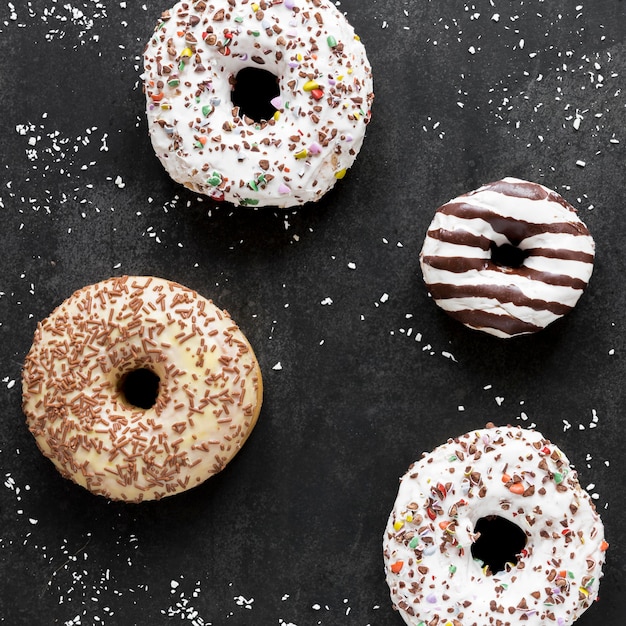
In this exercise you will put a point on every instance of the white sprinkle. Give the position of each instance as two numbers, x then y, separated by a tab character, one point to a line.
581	163
278	366
326	302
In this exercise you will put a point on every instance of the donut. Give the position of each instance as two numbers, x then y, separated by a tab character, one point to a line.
137	388
508	258
476	489
301	54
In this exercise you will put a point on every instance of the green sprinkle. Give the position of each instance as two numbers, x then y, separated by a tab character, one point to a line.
571	575
173	82
252	184
249	202
452	569
207	109
453	458
181	66
239	19
256	33
215	179
558	478
332	42
414	543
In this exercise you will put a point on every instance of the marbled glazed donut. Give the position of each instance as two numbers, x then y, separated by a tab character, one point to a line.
494	475
138	388
318	117
551	249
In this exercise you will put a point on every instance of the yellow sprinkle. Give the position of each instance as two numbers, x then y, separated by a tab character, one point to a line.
340	77
357	38
310	85
357	116
166	106
340	174
255	7
187	52
583	591
302	154
277	116
298	57
398	524
409	518
350	71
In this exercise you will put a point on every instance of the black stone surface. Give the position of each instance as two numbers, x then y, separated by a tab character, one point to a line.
371	372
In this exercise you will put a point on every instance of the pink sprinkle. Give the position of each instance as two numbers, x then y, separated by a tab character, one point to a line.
283	189
277	102
290	4
315	148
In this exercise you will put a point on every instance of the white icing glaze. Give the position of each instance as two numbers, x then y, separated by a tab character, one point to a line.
326	92
430	570
456	258
209	393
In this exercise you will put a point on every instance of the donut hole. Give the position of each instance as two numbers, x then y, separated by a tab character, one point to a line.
253	92
508	255
500	542
139	388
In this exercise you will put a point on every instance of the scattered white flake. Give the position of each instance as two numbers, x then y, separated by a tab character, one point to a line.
244	602
581	163
278	366
384	298
611	351
495	17
352	265
326	302
566	425
449	355
499	400
461	407
471	50
119	182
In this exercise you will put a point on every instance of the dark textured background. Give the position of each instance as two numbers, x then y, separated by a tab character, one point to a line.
290	532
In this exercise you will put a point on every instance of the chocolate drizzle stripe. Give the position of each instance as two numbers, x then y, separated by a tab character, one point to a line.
460	237
561	254
514	229
459	265
484	319
501	293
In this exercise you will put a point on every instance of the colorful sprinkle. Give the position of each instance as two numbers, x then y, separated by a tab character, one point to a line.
397	567
332	42
414	542
341	174
215	179
310	85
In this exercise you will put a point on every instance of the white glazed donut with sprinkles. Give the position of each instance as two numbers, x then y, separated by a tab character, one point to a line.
546	265
138	388
318	116
508	475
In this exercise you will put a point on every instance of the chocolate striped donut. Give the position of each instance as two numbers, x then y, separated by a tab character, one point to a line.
508	258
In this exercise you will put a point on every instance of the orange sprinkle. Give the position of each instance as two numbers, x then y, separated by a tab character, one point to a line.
397	566
517	488
157	97
604	546
505	478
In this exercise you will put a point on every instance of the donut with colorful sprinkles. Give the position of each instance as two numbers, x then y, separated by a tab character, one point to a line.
137	388
508	258
257	103
493	528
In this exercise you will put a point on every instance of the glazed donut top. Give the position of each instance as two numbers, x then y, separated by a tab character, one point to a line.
76	388
463	278
517	475
206	143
